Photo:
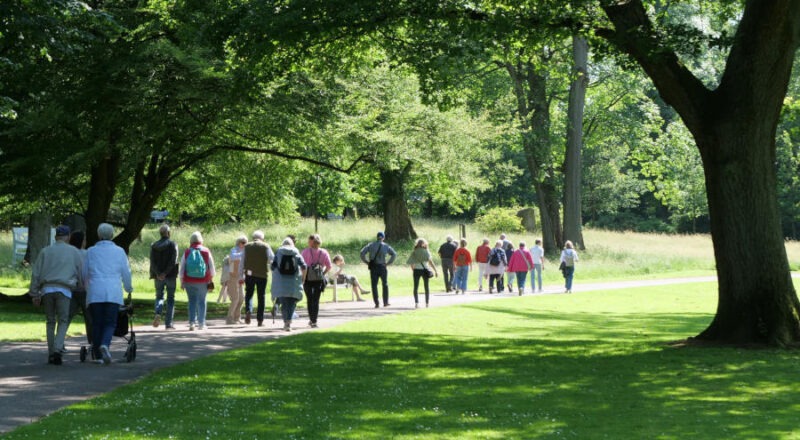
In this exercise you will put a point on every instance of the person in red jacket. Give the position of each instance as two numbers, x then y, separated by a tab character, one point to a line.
196	273
462	260
482	258
521	263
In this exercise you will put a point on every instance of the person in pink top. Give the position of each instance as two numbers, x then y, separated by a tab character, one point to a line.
196	273
319	263
521	263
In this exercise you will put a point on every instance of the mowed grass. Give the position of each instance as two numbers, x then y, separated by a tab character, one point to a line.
609	256
585	366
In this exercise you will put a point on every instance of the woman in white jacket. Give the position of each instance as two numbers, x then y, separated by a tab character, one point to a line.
106	271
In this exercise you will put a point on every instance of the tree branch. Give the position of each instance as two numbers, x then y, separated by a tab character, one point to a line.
635	35
289	156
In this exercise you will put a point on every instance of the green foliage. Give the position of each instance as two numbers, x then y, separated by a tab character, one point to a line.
499	220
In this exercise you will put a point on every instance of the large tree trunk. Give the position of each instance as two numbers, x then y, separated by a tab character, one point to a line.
734	127
757	300
147	188
549	215
395	208
102	187
39	234
573	220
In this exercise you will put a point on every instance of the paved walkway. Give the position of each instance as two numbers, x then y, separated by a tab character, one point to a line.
31	389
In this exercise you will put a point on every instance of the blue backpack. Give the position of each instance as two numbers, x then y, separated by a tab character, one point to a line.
195	264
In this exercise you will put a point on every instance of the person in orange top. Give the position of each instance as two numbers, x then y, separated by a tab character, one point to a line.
482	258
462	260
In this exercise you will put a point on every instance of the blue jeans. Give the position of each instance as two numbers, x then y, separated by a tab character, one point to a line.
197	302
288	306
104	321
521	277
536	274
168	285
569	273
258	286
460	278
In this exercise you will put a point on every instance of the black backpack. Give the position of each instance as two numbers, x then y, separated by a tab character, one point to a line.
288	265
494	258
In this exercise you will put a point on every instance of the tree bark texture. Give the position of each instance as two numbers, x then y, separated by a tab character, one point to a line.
102	187
395	208
39	232
573	220
150	180
533	112
734	128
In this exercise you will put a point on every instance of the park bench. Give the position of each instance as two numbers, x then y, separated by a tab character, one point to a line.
336	286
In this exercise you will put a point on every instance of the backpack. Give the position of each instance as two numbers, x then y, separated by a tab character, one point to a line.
494	258
288	265
569	257
195	264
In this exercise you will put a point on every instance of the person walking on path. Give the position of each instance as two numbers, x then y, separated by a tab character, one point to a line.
235	282
340	277
521	263
422	267
197	274
164	270
463	263
509	248
77	303
106	272
288	270
374	255
568	259
257	259
56	272
537	252
482	258
446	252
497	267
318	261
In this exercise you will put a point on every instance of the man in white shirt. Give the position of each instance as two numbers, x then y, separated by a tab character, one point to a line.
538	264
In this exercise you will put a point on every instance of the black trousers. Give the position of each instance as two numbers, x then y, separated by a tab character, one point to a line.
255	284
499	279
313	291
379	273
448	271
421	273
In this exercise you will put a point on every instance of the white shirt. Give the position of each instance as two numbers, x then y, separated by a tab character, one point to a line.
537	253
105	272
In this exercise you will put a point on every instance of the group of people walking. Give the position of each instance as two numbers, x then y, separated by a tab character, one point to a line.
66	278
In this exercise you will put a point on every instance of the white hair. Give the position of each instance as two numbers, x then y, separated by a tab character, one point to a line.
196	238
449	238
502	236
258	235
288	242
105	231
498	243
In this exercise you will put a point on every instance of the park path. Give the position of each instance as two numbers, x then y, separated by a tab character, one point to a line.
31	389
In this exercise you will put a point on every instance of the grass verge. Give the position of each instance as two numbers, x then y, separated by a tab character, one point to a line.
593	365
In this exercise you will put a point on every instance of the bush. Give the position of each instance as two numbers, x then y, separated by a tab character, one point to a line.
498	220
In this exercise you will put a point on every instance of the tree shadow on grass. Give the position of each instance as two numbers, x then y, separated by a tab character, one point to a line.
583	382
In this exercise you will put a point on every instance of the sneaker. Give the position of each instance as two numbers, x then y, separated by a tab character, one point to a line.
312	324
387	305
191	327
287	327
247	318
377	306
261	323
540	290
156	320
169	327
201	327
57	360
361	300
480	288
106	355
365	292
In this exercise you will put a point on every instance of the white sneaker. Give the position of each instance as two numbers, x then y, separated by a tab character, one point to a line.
106	355
191	327
287	327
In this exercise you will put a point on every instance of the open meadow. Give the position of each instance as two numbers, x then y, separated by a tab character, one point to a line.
609	256
593	365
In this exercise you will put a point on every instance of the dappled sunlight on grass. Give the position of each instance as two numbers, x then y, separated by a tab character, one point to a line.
594	365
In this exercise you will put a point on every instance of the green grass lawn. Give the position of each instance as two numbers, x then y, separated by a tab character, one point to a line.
586	366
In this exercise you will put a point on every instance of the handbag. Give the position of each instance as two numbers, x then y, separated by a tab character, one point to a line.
372	265
429	273
316	272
